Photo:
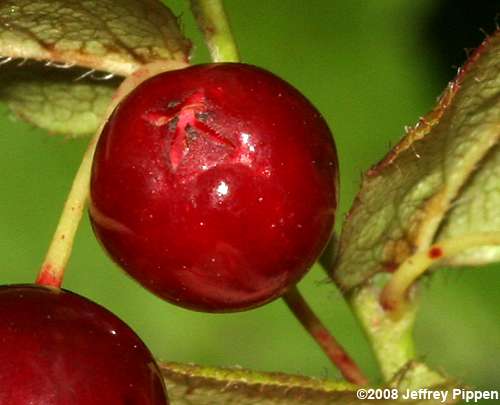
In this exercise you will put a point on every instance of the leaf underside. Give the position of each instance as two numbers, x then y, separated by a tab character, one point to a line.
440	182
195	385
477	210
78	45
69	101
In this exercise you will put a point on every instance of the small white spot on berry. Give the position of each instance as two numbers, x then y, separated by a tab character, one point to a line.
222	189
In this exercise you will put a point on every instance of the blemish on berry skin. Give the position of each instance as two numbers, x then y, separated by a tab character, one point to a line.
191	134
172	124
202	116
435	252
173	103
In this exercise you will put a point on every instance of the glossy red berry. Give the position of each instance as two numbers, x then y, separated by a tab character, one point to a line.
215	186
57	348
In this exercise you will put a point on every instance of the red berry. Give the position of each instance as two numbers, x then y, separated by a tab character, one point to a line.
215	186
57	348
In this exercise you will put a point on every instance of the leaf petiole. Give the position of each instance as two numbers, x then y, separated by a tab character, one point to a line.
394	295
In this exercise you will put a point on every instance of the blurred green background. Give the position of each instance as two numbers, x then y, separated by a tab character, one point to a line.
371	67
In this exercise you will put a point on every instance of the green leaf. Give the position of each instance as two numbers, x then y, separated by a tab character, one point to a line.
116	36
195	385
189	384
56	100
77	45
430	185
476	210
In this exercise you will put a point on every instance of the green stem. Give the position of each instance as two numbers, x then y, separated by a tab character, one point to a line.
390	336
391	340
214	25
323	337
56	259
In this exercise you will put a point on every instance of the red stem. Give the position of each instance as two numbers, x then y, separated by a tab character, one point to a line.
323	337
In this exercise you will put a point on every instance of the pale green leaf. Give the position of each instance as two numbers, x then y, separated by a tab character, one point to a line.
116	36
195	385
476	210
59	101
54	55
430	184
